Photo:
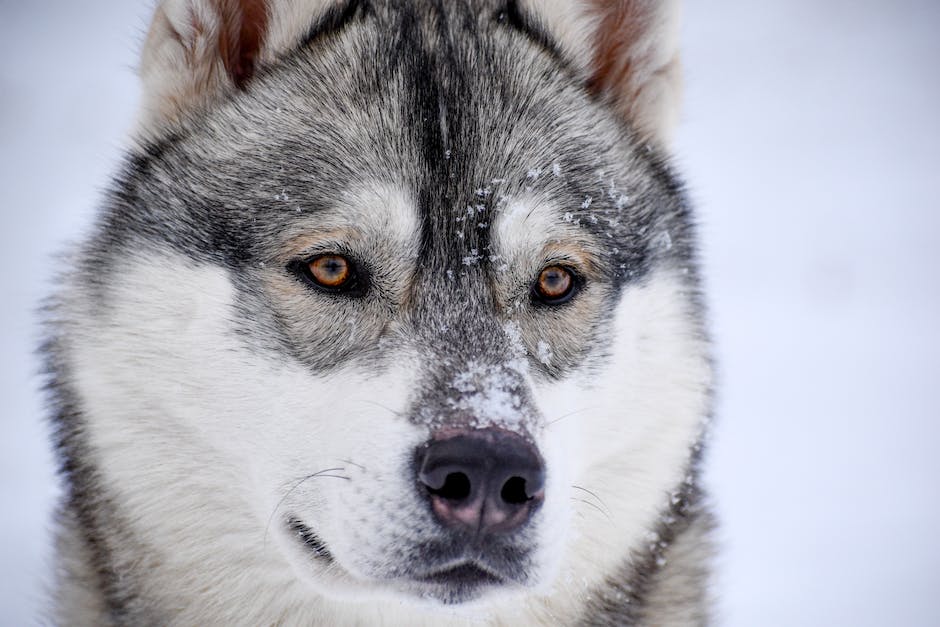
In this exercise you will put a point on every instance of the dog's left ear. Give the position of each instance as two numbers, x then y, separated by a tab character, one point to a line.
628	51
196	52
199	52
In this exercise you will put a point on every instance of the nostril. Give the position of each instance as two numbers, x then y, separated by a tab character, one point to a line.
456	487
482	481
513	491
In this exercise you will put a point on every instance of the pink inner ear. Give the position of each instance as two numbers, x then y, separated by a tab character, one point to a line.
621	25
244	23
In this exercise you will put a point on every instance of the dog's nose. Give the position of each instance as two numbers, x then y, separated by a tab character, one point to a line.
482	481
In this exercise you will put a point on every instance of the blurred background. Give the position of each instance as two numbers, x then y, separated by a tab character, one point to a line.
811	146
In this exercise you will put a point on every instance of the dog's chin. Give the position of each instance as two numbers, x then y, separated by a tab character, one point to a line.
461	582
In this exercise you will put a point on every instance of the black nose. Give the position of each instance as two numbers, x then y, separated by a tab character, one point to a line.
482	481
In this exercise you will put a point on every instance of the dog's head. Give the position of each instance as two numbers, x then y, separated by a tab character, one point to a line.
408	286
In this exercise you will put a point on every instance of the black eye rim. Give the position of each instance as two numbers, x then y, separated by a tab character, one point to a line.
577	281
354	286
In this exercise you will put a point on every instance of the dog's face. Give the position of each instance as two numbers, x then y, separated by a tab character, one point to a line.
421	300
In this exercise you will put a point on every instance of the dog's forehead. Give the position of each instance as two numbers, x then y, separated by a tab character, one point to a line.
472	143
442	124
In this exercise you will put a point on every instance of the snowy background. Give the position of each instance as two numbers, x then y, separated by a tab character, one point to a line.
811	144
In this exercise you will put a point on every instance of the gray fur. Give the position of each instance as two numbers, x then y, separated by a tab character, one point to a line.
461	108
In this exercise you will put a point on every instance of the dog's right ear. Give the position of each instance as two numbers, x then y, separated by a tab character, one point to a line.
627	52
198	52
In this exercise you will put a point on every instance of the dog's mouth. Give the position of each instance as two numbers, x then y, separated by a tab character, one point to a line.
467	574
458	583
456	580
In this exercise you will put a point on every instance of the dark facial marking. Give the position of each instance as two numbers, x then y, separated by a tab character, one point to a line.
512	16
335	19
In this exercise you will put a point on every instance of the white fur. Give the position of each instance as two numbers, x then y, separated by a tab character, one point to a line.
231	432
636	422
622	430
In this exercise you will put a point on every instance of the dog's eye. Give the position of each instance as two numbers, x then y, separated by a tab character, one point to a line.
329	272
555	285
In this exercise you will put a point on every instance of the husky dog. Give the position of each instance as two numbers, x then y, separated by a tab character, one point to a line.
392	316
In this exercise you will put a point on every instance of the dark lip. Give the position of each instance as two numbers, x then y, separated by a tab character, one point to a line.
467	574
458	583
309	539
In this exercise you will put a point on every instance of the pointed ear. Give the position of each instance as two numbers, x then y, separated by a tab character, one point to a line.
636	63
199	51
629	53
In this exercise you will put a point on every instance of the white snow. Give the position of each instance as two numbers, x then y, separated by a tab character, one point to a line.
473	258
487	393
544	352
663	241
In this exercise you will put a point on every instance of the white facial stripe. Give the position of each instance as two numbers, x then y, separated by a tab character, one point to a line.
376	216
531	232
383	211
524	228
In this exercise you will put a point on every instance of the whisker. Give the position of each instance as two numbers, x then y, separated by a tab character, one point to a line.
586	502
599	499
528	215
379	405
352	463
319	473
569	414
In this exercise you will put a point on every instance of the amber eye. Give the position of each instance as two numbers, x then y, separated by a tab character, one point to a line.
330	271
554	286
